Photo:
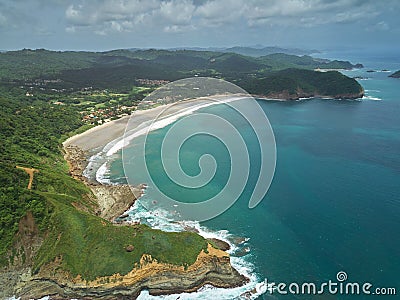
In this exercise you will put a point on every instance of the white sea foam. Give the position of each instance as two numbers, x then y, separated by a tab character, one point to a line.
162	219
97	161
368	97
150	126
103	174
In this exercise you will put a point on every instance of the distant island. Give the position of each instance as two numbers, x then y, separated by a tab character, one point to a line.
61	237
395	74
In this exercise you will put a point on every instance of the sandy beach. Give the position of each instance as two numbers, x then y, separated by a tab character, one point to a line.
101	135
113	200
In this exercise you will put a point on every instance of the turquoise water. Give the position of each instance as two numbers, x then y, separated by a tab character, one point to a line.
334	203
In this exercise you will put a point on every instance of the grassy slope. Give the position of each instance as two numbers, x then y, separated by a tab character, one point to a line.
88	245
92	247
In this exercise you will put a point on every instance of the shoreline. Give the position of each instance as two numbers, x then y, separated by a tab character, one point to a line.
114	200
101	135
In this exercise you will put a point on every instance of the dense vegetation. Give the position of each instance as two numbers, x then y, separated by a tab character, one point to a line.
58	74
31	132
160	64
46	95
304	83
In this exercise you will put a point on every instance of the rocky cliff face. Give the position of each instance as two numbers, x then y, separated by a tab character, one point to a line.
27	243
212	268
286	95
112	200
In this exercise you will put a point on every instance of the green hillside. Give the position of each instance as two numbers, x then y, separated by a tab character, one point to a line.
304	83
47	95
31	132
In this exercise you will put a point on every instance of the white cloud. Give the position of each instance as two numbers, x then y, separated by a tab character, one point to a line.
104	16
307	12
177	12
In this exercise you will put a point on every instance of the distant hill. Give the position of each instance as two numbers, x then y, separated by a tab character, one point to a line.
28	63
255	51
120	70
395	74
298	83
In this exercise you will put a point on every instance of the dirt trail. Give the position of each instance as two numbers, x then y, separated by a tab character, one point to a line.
31	172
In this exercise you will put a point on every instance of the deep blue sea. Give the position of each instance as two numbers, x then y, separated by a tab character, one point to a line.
334	203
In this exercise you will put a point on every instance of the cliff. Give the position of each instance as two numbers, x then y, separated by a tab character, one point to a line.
112	200
211	267
87	255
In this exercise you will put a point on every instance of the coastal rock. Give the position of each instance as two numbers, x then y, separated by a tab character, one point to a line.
111	200
299	94
114	200
395	74
211	267
28	242
224	246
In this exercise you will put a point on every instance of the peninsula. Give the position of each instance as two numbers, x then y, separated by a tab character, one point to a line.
60	237
66	262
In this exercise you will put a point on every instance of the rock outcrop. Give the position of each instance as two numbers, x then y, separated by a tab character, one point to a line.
286	95
112	200
395	74
211	267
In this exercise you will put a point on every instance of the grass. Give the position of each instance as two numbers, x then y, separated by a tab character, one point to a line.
92	247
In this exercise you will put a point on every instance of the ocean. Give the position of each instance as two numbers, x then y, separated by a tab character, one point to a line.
333	207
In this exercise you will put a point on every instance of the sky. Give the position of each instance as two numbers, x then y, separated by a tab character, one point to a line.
113	24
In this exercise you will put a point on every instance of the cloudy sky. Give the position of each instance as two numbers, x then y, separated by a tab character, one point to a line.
111	24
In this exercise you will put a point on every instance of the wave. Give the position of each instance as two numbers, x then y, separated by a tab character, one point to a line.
97	167
151	126
162	219
103	174
368	97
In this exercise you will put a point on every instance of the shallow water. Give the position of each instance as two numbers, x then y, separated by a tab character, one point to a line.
334	203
